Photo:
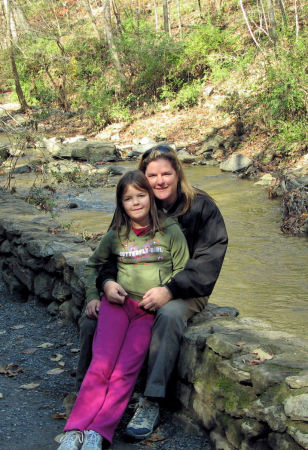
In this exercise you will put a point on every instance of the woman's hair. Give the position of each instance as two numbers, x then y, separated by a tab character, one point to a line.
121	220
184	188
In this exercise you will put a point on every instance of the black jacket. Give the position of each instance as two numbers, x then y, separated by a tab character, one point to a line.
206	235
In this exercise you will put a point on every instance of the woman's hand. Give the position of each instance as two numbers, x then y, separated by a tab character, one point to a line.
155	298
92	309
114	292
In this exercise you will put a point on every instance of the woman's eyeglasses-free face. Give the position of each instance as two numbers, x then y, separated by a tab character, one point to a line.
160	148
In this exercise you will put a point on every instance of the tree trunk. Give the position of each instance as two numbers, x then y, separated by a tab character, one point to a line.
156	16
21	97
200	9
166	17
89	9
283	12
296	20
110	40
248	25
179	16
271	19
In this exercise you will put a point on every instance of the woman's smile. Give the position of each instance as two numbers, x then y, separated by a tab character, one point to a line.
163	180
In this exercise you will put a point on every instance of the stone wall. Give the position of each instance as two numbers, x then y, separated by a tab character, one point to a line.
236	377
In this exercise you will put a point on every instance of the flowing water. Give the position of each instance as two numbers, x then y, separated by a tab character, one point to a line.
265	273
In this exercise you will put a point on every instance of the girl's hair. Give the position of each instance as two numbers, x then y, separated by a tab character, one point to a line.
121	220
184	188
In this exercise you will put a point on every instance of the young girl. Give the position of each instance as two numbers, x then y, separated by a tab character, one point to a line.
150	250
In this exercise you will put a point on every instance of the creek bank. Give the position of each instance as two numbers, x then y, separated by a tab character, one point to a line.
87	161
237	378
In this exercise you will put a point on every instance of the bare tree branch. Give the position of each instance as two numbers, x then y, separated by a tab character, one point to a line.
248	25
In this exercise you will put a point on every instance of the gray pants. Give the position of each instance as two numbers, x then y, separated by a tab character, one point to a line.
169	326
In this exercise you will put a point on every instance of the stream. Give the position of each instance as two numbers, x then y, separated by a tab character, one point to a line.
265	272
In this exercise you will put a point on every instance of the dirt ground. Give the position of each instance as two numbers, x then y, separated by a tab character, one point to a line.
38	358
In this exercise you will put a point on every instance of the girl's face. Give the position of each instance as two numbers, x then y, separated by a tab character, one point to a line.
163	180
136	204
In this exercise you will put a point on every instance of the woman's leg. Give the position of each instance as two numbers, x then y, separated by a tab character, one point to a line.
169	326
126	371
108	340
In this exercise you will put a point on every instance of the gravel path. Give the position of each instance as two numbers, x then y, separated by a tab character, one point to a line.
32	343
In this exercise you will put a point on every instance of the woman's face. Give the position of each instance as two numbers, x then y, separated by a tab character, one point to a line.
163	180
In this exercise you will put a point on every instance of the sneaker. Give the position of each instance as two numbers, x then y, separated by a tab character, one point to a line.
144	420
92	440
71	440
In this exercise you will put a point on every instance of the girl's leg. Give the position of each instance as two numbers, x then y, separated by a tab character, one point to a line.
126	371
110	334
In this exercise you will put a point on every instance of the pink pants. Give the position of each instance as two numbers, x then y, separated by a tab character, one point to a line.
120	345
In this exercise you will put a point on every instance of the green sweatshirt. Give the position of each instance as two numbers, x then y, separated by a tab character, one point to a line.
143	262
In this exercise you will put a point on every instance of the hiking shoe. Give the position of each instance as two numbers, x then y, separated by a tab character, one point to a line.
92	440
144	420
71	440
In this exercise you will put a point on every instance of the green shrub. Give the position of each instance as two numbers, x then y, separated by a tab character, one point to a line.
205	48
147	57
284	95
188	95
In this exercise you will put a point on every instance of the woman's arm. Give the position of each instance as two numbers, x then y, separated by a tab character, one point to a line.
158	296
207	239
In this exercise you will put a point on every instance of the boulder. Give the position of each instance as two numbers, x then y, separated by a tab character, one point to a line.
298	381
185	157
266	180
92	151
296	407
83	150
236	163
213	143
146	144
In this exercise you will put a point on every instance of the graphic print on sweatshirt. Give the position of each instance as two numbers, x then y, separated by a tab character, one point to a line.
147	251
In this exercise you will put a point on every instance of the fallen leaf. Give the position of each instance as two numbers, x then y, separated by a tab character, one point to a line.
69	343
45	345
29	351
2	331
240	343
155	437
61	363
55	371
56	357
75	350
68	402
1	395
254	362
29	386
262	355
17	327
11	370
59	416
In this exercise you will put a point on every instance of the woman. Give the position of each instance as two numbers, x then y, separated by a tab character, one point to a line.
186	293
150	249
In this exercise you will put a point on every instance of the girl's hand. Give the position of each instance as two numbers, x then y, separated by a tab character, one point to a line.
155	298
114	292
92	309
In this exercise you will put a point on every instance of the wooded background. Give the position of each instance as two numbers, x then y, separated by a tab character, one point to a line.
108	59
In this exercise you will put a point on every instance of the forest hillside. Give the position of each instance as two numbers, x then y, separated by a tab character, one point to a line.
171	69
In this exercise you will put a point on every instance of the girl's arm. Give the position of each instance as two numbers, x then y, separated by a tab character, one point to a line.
100	255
